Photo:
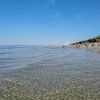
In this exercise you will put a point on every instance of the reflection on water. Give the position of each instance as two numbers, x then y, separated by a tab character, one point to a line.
49	73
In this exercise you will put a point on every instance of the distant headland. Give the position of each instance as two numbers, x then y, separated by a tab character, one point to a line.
89	43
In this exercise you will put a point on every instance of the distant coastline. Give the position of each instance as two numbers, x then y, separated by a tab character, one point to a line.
92	43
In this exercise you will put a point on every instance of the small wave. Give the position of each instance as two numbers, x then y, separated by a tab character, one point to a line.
3	53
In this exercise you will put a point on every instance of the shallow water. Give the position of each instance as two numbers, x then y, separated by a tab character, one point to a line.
49	73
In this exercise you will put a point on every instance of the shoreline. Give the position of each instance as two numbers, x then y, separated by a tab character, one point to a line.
92	48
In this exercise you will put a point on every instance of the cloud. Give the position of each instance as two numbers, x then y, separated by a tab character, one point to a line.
57	14
52	1
78	16
54	16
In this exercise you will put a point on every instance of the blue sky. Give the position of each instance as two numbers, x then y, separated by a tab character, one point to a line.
48	21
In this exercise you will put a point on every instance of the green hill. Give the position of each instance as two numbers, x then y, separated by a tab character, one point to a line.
91	40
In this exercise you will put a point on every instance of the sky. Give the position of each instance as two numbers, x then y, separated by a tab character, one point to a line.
43	22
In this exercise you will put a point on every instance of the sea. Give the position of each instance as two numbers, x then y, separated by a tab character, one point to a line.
29	72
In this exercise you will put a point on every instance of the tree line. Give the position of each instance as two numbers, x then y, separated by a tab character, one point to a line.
91	40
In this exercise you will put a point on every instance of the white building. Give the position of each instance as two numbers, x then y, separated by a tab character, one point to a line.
65	44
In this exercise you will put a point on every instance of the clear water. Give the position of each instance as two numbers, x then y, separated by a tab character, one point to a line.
49	73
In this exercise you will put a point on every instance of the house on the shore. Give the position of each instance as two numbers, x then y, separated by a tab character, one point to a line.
65	44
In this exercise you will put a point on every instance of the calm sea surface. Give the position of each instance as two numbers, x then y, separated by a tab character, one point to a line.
49	73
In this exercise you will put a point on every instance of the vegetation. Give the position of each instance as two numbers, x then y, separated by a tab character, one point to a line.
96	39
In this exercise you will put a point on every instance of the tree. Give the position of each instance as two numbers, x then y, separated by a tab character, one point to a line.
98	37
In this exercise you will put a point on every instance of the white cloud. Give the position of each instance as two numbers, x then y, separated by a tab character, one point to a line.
52	1
54	15
57	14
78	16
